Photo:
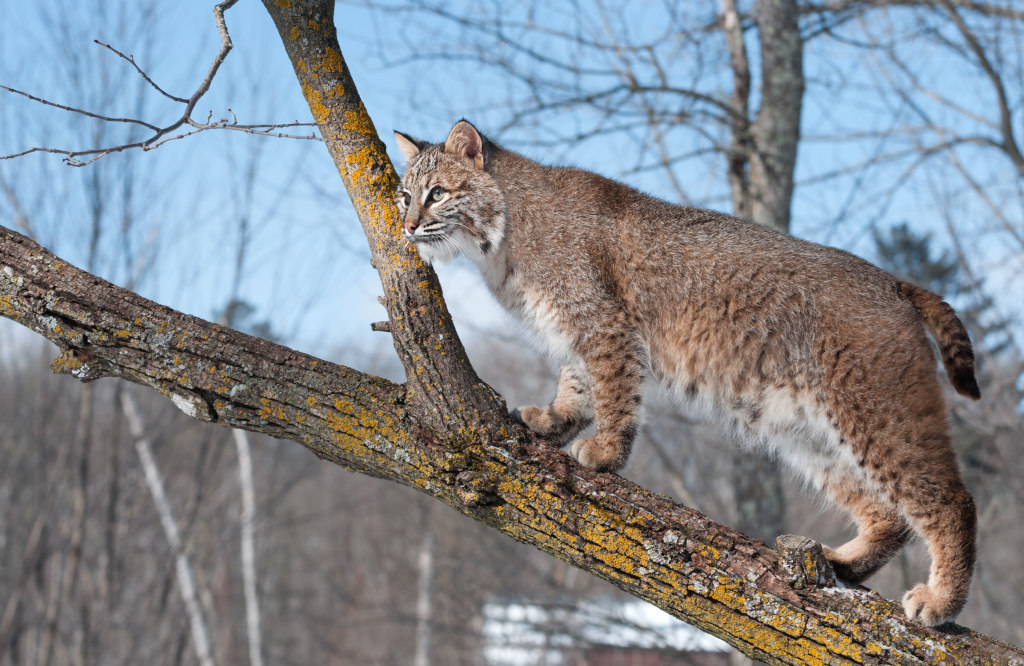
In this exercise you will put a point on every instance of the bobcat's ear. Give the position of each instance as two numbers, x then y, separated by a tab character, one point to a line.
464	140
409	146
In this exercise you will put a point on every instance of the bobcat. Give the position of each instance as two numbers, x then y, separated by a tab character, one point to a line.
805	350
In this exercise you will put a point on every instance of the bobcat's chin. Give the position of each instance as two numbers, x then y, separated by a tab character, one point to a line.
435	251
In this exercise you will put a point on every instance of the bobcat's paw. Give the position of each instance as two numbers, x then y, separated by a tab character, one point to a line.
534	418
548	424
598	453
928	608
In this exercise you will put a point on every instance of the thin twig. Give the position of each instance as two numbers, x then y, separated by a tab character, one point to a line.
143	74
261	129
83	112
162	135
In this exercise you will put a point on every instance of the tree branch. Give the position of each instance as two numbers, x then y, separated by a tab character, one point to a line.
440	377
739	153
1009	143
776	129
161	135
854	8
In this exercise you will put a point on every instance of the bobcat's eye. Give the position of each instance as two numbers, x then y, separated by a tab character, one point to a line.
405	197
437	193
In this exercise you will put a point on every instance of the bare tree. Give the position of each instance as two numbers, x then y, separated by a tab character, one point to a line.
82	561
158	135
248	548
183	568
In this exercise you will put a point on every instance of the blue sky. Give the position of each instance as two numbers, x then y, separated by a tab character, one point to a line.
306	269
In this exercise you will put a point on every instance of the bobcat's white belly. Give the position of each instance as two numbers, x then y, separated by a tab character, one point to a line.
792	426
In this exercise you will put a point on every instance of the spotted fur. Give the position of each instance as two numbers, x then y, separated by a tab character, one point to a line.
806	351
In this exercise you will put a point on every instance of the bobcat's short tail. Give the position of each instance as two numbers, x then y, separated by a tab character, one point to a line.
949	332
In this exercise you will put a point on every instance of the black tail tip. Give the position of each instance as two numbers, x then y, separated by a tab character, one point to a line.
967	385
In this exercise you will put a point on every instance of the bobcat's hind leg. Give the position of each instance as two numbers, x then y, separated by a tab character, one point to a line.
881	532
570	412
945	515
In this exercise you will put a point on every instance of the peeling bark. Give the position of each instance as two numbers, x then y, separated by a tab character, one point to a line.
446	433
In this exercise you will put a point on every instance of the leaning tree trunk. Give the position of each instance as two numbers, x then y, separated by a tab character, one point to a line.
447	434
761	164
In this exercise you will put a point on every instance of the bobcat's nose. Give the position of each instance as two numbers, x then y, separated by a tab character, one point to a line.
410	224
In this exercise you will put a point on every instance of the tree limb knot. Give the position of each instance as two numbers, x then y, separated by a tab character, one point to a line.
476	488
80	363
803	564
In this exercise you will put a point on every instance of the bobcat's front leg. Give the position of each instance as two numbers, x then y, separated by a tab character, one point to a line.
616	367
570	412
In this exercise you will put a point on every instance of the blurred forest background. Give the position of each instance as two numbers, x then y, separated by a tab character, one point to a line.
889	128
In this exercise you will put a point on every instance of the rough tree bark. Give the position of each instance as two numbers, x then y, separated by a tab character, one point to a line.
446	433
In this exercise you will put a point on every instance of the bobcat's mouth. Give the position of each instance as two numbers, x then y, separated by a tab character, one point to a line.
425	238
437	246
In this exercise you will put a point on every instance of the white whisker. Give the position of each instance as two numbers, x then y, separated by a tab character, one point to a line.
456	248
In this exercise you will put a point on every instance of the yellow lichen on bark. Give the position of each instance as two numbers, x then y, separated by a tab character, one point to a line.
359	121
360	167
7	308
66	363
834	641
332	62
350	420
315	101
706	614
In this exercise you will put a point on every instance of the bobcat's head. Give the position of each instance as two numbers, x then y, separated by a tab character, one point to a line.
449	203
